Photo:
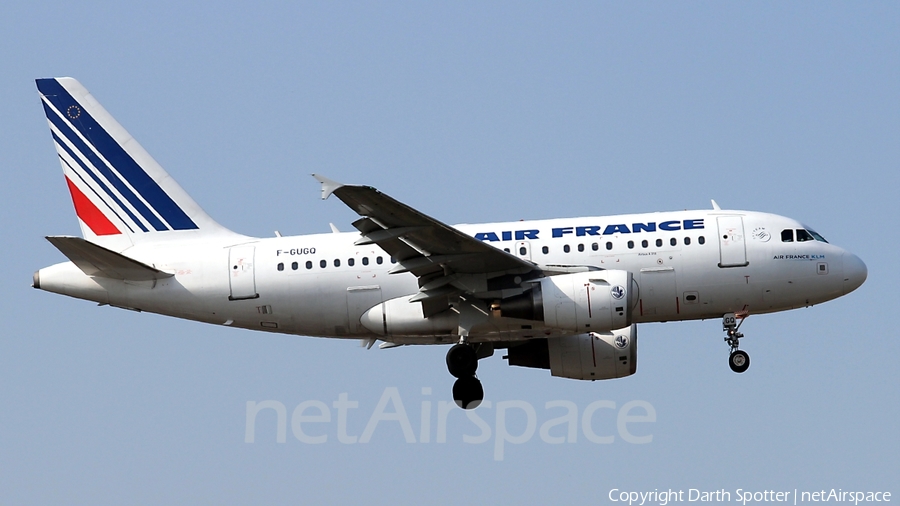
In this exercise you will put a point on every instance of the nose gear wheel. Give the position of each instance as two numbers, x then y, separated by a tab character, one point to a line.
739	361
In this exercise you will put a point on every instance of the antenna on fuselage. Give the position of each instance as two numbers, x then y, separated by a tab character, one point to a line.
715	205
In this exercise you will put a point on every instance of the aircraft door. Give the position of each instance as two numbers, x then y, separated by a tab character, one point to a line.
359	300
523	250
241	275
732	248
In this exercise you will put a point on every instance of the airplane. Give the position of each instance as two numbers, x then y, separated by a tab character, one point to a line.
558	294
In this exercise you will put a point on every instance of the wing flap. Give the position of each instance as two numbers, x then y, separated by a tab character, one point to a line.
96	260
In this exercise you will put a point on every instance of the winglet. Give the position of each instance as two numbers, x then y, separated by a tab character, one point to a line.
714	204
328	186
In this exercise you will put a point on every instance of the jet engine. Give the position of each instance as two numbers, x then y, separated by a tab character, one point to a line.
592	356
596	301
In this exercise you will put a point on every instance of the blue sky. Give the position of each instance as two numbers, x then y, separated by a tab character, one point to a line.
468	111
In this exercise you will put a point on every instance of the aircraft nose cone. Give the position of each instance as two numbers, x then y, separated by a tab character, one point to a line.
855	272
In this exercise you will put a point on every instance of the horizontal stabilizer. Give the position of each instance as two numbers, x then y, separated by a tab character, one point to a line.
98	261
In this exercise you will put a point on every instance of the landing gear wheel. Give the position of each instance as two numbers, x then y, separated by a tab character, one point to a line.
468	392
462	361
739	361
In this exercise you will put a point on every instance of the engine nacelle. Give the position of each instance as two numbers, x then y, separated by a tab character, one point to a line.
592	356
596	301
399	317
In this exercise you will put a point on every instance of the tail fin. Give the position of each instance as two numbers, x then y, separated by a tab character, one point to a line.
122	196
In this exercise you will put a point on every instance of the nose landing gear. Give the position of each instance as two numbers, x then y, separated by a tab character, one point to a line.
739	360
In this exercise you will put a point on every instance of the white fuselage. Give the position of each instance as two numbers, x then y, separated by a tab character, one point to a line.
688	265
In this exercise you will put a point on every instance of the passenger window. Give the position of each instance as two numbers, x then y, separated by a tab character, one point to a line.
365	260
787	235
609	245
393	260
545	250
281	266
566	248
523	251
803	236
581	247
630	244
337	263
378	260
350	262
595	246
659	243
673	241
644	243
308	264
701	240
323	264
294	266
687	241
506	250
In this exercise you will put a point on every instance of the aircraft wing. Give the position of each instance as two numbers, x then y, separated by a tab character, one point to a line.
445	260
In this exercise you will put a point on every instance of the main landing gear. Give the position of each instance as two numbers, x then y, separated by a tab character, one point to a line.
462	362
739	360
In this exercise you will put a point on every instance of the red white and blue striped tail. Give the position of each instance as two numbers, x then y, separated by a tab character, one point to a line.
122	196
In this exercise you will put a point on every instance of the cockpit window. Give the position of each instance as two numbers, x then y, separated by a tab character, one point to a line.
803	236
817	236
